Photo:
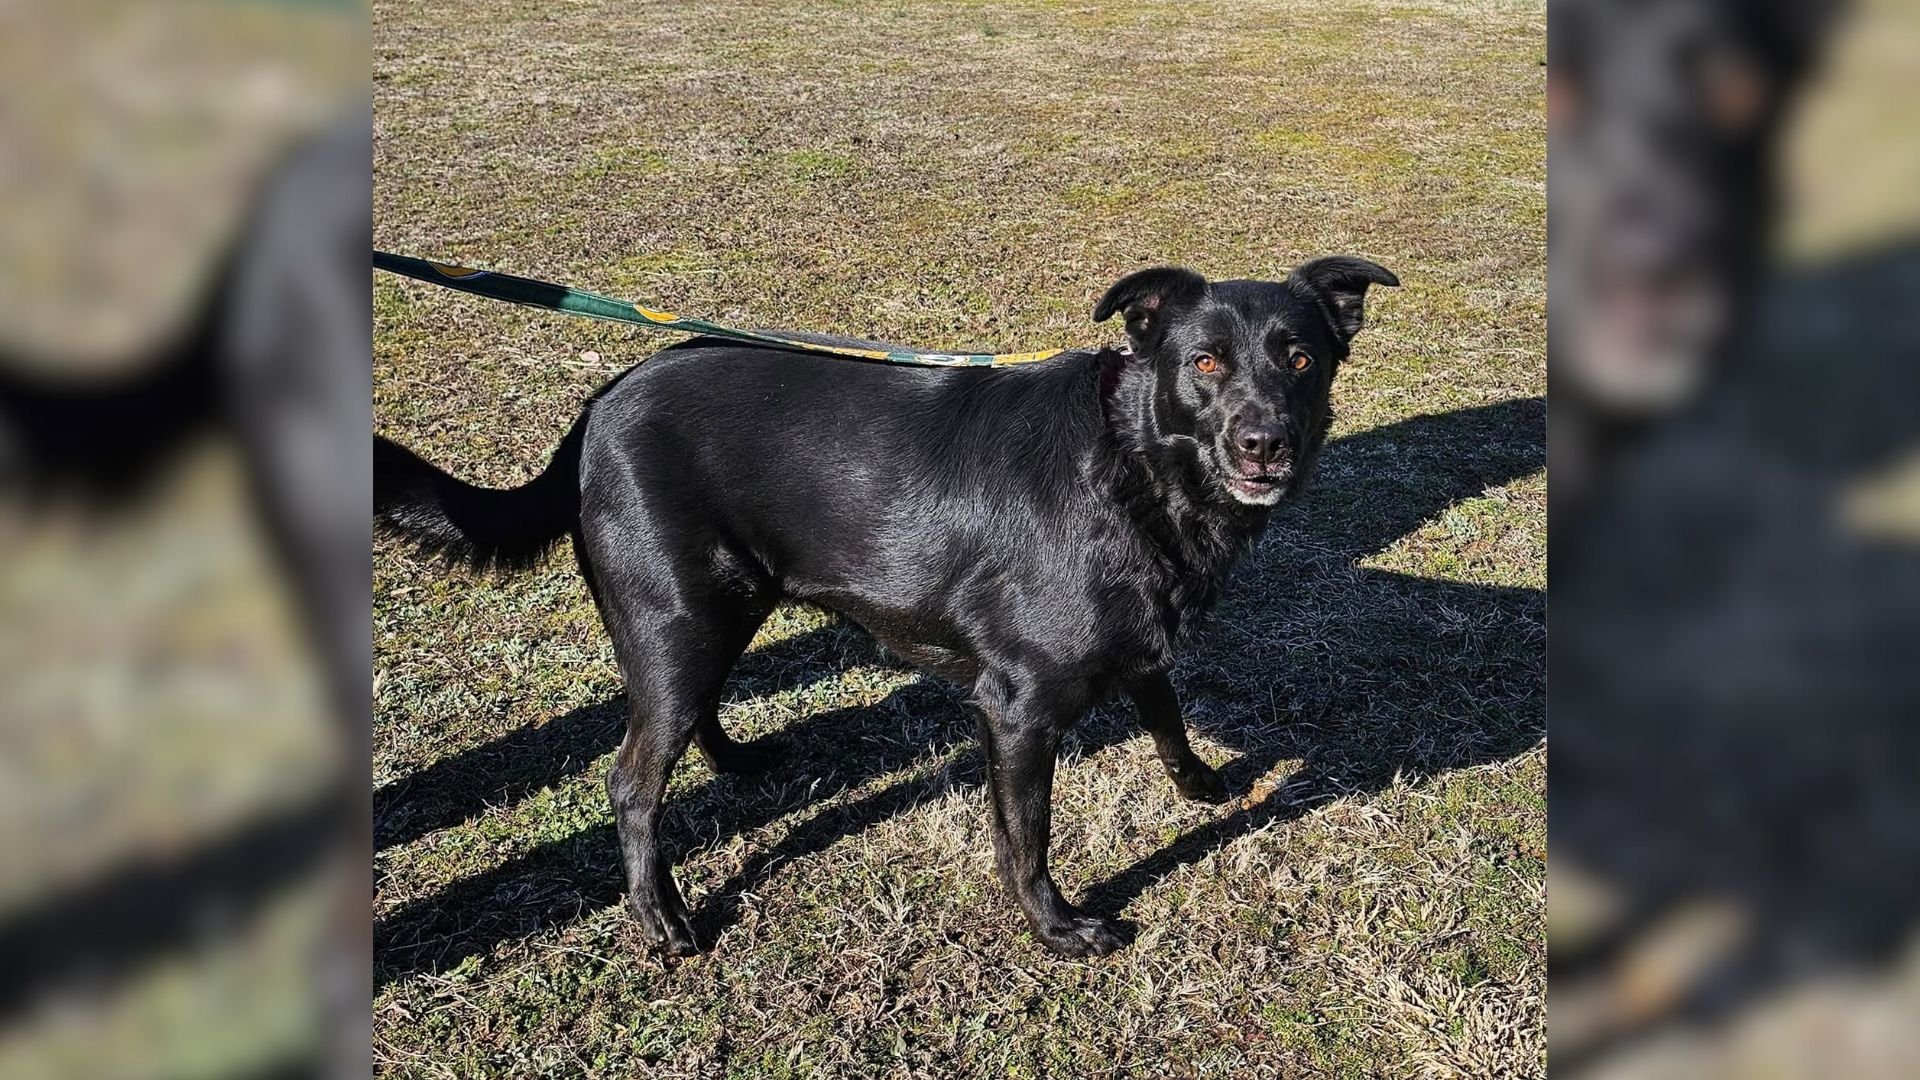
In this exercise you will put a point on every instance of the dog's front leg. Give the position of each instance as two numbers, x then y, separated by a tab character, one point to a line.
1022	736
1158	708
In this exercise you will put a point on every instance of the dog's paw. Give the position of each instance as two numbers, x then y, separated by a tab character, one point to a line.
1081	934
1197	780
666	928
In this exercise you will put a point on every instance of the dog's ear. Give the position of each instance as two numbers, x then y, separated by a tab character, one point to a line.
1340	282
1144	295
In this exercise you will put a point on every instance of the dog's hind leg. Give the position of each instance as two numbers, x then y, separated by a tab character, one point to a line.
723	754
1158	709
737	612
675	651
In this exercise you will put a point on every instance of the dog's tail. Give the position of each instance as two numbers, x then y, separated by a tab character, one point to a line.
482	528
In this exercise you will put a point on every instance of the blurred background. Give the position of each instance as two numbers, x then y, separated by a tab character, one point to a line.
184	487
1734	236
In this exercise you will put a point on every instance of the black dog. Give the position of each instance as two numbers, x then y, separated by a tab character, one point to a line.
1046	534
1663	122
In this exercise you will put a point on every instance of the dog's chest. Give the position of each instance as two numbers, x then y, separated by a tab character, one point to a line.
1098	619
1137	613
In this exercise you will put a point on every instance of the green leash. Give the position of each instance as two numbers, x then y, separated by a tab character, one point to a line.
519	290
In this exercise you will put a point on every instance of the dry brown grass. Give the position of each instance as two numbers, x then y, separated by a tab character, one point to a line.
973	176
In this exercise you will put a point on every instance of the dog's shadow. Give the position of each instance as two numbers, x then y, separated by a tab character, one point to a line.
1364	675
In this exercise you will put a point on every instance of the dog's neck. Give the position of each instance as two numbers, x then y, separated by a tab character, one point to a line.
1162	483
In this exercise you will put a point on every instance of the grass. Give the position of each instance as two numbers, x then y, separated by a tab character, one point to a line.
1371	904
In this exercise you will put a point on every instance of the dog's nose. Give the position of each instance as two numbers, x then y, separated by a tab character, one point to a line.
1261	442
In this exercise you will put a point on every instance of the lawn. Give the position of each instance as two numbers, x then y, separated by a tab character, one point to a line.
972	177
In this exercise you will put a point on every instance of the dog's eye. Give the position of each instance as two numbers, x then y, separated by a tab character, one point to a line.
1734	89
1563	99
1301	361
1206	363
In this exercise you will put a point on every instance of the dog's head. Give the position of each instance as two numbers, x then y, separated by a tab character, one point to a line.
1241	370
1662	117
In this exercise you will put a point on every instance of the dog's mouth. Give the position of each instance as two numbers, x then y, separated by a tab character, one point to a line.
1644	349
1256	484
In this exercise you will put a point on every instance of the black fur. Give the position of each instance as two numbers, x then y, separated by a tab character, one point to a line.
1047	535
1664	118
480	528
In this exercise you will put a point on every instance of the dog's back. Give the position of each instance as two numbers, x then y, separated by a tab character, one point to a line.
879	492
